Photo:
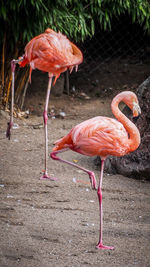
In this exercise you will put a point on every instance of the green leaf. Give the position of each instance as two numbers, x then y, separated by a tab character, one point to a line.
92	27
143	11
3	12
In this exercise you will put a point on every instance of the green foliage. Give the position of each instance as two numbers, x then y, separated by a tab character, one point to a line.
23	19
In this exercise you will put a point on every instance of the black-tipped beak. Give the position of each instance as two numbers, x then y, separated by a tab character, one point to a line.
136	118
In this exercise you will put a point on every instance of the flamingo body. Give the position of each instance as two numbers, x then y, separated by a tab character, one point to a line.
103	136
51	52
98	136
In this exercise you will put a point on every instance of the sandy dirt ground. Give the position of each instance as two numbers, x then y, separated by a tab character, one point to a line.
56	223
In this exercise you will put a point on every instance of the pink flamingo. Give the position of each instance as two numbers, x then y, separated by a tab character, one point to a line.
103	136
53	53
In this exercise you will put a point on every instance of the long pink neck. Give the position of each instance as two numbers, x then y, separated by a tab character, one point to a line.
133	132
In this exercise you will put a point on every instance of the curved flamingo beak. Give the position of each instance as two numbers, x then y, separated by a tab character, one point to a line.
136	109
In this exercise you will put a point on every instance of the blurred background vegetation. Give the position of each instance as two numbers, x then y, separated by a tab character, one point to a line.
23	19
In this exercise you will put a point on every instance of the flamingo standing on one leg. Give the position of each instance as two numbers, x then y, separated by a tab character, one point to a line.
103	136
53	53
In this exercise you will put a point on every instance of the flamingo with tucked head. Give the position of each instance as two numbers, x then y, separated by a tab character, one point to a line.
51	52
103	136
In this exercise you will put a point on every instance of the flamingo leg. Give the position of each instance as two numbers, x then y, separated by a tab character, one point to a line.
10	124
99	193
45	118
90	173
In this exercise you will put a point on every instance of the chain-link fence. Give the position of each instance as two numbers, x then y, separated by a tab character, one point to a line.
125	41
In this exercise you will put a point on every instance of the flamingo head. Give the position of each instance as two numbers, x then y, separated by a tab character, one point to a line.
131	100
133	104
136	109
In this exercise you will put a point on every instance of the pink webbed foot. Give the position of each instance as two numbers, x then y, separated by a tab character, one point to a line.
47	177
93	180
101	246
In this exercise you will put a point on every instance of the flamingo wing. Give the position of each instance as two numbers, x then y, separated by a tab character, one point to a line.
97	136
51	52
101	136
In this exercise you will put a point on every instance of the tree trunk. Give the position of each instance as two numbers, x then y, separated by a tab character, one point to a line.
137	163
